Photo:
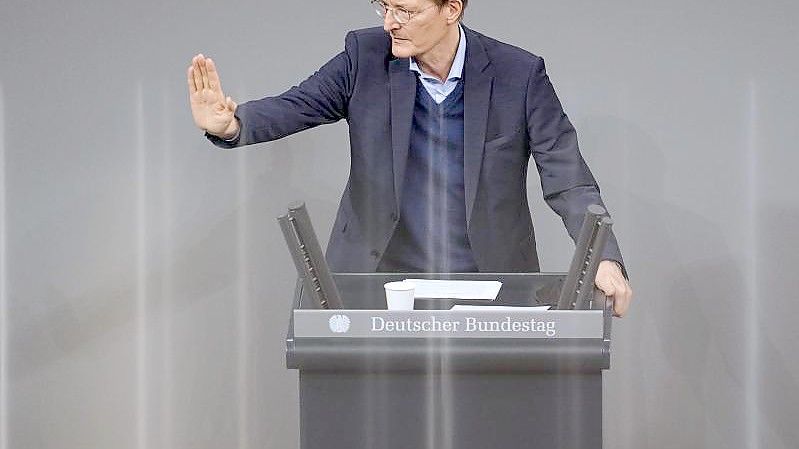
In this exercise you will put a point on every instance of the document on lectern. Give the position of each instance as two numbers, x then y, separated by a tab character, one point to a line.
433	288
472	308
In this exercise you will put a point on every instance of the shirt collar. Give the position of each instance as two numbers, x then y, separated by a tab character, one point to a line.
456	71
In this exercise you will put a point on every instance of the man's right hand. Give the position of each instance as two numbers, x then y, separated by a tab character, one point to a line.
212	111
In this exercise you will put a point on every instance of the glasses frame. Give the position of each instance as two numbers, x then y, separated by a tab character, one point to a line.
382	10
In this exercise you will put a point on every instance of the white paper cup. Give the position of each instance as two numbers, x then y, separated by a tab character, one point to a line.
399	295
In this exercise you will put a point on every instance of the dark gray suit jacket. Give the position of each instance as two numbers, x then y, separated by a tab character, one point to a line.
511	113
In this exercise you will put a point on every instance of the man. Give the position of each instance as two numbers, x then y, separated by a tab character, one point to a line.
442	121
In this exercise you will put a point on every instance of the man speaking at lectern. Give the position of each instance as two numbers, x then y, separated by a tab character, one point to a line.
442	123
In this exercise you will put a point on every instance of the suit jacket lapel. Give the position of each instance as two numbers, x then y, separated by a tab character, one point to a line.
403	97
478	79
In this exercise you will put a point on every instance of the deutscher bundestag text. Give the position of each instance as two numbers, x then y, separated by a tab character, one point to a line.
469	324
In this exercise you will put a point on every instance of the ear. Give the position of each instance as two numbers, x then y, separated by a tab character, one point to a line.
453	9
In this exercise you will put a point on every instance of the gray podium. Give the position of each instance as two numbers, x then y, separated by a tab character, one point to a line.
437	378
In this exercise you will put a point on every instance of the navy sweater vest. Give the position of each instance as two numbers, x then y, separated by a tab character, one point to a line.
431	233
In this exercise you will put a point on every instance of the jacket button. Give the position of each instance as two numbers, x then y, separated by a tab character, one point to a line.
375	253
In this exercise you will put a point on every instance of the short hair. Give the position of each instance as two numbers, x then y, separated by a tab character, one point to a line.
441	3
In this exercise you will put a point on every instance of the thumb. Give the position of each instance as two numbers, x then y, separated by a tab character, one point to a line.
231	105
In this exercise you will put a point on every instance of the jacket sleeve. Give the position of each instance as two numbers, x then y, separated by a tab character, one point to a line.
320	99
567	183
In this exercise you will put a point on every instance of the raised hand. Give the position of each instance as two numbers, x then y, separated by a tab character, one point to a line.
211	109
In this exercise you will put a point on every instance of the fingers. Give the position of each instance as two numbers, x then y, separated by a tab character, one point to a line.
204	71
202	74
604	281
190	75
606	285
621	298
197	72
611	281
212	75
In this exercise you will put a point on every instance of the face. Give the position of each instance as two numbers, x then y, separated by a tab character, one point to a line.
427	27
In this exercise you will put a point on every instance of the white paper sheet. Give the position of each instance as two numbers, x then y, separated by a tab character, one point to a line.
498	308
430	288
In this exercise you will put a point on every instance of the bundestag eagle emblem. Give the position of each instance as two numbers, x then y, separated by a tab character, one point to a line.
339	324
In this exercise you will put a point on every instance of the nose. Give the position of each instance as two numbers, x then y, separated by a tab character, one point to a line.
389	23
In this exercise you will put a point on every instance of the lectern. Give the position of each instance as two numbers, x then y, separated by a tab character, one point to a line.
440	378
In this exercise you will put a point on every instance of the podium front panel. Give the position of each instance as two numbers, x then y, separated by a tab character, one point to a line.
510	378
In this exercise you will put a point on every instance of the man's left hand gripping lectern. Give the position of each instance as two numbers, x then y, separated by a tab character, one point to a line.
439	378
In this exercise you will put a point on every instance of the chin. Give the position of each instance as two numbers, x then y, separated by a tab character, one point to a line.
402	51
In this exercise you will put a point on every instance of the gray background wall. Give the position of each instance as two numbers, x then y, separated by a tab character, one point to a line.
145	287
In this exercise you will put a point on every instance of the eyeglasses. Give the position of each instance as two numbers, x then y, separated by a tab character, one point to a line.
402	16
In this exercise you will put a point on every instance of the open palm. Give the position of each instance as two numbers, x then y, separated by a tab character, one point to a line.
212	111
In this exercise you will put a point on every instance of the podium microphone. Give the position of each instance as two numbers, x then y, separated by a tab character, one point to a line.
578	288
308	258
